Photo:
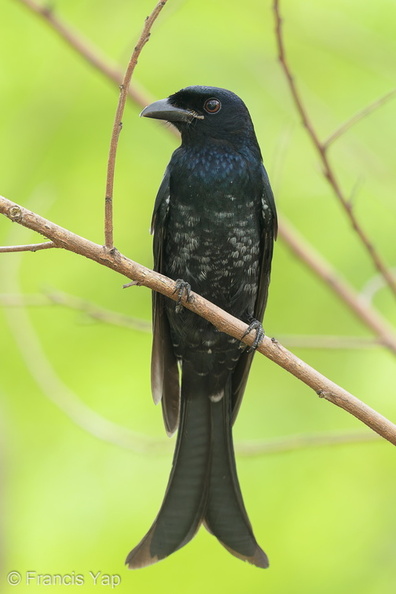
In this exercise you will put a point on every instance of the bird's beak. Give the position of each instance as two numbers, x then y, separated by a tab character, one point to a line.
164	110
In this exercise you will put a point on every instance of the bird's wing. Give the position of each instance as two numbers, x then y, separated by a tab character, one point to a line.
269	228
164	367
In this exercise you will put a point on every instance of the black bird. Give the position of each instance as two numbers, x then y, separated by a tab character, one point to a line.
214	224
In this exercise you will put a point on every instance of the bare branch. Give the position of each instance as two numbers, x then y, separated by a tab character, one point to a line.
360	115
67	401
30	247
54	389
23	300
144	37
321	149
356	303
101	428
91	310
318	341
96	312
223	321
85	49
291	443
114	318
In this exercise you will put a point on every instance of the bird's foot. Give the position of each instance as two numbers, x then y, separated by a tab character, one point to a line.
183	289
257	327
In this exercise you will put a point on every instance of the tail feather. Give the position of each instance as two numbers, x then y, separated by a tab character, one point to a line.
203	485
225	515
183	507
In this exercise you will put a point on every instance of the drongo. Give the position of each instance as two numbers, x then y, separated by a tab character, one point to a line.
214	225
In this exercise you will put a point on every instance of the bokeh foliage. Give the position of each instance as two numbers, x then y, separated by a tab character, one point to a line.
75	503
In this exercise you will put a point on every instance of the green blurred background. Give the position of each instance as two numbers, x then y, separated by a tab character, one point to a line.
75	502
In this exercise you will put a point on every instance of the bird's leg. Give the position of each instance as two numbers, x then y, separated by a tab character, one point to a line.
182	289
257	327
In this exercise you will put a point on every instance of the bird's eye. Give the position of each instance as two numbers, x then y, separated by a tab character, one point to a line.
212	105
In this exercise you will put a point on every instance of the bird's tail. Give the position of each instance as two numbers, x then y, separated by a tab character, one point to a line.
225	514
184	503
203	485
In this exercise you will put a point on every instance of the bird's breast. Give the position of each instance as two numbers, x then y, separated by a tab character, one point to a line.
213	234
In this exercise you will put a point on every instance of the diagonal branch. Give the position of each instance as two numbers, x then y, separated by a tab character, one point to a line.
321	148
90	53
84	48
107	316
223	321
291	443
54	389
143	39
356	303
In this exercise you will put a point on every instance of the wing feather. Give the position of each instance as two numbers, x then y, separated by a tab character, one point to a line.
269	228
164	367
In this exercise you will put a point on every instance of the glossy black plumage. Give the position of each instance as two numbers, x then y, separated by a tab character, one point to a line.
214	224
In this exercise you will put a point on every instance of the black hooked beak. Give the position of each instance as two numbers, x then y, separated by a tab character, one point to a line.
164	110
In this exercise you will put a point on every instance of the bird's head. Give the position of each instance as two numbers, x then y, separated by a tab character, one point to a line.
200	113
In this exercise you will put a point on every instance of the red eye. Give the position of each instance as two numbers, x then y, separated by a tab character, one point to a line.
212	105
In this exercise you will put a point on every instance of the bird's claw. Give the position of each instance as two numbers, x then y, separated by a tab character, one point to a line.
257	327
183	289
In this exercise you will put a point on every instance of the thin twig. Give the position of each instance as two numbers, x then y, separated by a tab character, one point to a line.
114	318
95	424
144	37
223	321
98	313
30	247
321	149
356	303
91	310
292	443
23	300
360	115
318	341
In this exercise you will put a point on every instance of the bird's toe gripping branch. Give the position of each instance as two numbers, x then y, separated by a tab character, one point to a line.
183	289
260	333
